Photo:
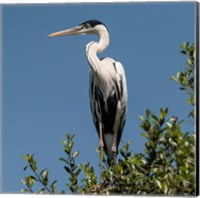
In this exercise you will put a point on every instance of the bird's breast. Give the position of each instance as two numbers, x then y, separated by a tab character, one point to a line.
105	84
106	76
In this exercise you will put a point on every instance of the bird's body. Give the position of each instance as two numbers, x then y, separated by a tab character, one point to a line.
108	89
108	102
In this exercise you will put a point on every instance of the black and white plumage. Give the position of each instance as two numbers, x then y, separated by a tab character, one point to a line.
108	89
109	109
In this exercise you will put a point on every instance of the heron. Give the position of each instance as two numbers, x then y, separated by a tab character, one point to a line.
107	88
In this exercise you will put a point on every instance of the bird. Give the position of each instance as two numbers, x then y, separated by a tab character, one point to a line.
107	88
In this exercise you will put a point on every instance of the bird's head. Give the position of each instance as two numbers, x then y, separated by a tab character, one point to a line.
88	27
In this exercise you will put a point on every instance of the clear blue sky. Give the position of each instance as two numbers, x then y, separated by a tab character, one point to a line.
45	80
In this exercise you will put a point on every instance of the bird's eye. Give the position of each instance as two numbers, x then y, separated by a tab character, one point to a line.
87	25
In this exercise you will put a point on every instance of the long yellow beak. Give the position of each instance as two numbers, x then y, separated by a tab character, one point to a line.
71	31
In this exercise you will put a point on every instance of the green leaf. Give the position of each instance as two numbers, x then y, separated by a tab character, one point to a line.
185	45
155	119
142	118
81	166
32	177
158	183
68	136
26	167
25	190
41	191
67	169
163	114
64	142
23	182
28	157
63	160
43	172
75	154
67	150
71	144
183	51
78	172
145	135
189	62
30	181
173	78
53	186
33	164
148	112
191	114
146	125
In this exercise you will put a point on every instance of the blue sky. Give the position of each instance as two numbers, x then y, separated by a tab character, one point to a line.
45	80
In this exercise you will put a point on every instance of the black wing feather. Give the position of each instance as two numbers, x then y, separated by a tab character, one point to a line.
106	109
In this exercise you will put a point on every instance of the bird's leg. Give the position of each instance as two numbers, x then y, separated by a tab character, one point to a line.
101	148
116	131
114	147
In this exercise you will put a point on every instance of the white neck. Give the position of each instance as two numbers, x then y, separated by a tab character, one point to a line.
93	48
